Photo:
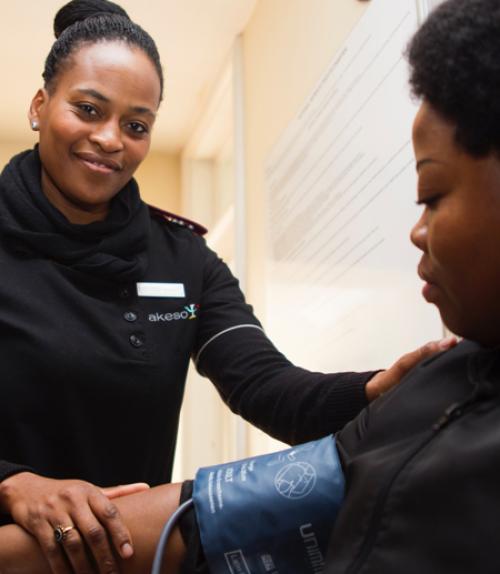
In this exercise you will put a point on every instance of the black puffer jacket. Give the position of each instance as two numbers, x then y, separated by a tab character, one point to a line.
422	468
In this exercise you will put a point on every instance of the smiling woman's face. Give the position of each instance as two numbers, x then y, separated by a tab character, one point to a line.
459	229
95	126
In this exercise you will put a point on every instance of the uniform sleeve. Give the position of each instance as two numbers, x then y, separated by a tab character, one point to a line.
9	468
255	380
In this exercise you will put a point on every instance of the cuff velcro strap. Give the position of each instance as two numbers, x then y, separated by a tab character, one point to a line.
272	513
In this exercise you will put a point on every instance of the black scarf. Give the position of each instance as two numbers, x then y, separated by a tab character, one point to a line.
114	249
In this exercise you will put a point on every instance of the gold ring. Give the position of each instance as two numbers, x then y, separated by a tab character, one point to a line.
61	531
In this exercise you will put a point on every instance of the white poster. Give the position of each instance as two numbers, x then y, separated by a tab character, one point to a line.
342	286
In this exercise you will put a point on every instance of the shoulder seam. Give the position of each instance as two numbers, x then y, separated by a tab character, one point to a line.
177	220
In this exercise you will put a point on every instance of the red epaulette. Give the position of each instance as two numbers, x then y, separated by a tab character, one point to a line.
178	220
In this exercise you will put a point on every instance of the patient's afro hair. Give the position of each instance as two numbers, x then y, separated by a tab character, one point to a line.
455	66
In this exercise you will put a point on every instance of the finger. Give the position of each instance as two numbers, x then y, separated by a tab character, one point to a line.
448	342
97	542
74	548
384	380
407	362
108	515
124	489
52	550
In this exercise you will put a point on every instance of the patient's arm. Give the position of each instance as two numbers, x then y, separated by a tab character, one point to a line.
144	513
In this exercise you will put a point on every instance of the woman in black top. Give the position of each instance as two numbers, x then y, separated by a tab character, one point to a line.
93	367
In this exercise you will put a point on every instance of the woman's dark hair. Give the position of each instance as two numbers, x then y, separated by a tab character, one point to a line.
90	21
455	66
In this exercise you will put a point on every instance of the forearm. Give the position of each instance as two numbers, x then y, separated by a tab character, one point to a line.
145	514
285	401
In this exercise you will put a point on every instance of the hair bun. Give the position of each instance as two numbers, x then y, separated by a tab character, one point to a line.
79	10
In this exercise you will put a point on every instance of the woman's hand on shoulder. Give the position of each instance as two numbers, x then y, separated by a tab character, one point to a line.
384	380
77	525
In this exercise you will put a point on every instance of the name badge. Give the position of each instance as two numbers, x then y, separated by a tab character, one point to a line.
174	290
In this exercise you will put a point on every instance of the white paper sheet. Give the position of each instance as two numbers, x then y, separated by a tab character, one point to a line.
342	286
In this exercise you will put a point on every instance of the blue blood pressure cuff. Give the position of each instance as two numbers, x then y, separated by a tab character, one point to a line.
270	514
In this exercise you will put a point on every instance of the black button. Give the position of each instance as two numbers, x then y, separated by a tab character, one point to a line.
125	292
136	341
130	316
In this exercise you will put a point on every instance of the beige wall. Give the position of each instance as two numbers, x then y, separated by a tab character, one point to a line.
288	45
10	148
159	178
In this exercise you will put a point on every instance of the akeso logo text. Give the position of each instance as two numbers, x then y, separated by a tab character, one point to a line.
188	313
